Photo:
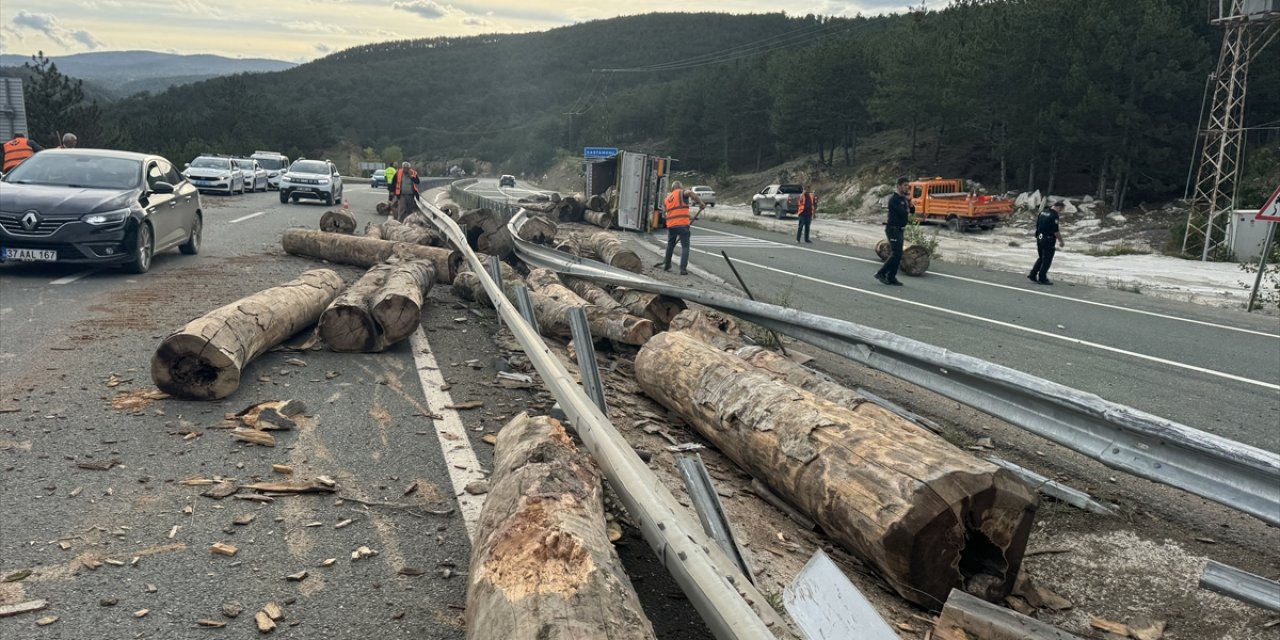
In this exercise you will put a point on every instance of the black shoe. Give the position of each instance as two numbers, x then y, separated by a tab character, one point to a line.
895	282
1031	277
808	241
666	267
882	279
683	272
1048	282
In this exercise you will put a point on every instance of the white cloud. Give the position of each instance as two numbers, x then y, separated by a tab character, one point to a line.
313	27
322	48
49	26
425	8
473	21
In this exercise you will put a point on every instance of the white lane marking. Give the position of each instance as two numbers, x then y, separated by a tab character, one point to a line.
1076	341
243	218
73	277
459	457
1037	291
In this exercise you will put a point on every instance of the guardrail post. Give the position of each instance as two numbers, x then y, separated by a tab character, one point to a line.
525	304
495	269
586	349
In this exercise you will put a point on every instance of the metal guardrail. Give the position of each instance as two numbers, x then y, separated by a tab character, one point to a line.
1241	585
1228	472
731	606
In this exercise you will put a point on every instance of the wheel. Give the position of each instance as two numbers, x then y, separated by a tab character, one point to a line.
779	211
284	197
192	246
755	209
328	198
295	198
953	223
712	205
141	262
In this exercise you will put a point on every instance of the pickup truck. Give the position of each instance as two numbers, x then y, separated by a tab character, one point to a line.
945	201
780	199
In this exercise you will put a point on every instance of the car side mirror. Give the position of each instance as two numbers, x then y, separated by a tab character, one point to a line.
187	165
162	187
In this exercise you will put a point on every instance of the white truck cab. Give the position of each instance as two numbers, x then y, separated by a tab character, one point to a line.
275	163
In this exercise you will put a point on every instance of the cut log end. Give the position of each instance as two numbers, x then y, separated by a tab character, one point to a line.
350	330
186	367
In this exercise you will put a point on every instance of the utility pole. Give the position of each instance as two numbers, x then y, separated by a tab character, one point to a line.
1250	25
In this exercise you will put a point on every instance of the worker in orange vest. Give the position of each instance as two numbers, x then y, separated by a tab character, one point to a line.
805	211
17	150
406	189
678	222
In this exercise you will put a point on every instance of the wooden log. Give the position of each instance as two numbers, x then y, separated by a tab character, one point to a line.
569	209
467	284
373	230
593	294
602	219
968	618
613	252
542	566
397	305
552	301
366	252
204	359
537	228
658	308
348	326
384	208
338	222
882	250
781	368
411	233
915	260
597	203
486	232
926	515
712	327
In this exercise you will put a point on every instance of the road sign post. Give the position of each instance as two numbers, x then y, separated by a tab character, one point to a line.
1271	213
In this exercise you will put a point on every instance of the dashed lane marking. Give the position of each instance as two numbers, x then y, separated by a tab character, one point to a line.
75	276
243	218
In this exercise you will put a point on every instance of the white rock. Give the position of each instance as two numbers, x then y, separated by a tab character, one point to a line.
1068	207
1035	199
1087	199
1118	217
1088	224
1021	201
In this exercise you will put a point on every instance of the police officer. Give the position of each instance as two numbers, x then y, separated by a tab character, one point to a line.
1047	234
900	208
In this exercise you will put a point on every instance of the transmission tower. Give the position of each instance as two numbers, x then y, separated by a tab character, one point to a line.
1250	25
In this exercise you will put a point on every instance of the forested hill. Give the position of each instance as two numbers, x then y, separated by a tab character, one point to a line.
1098	95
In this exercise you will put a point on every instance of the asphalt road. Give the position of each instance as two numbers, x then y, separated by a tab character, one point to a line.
1212	369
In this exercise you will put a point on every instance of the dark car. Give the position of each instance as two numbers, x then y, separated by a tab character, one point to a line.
97	206
507	180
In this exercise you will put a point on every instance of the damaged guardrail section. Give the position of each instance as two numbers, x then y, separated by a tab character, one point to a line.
1228	472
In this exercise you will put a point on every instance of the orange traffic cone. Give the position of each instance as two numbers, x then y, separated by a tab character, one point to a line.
346	205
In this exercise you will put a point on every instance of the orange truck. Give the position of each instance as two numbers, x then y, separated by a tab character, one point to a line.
945	201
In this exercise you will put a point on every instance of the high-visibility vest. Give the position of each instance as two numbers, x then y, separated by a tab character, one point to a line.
15	151
390	173
677	209
400	180
808	204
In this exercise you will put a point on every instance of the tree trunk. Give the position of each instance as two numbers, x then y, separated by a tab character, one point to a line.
1053	172
366	252
786	370
601	219
338	222
657	308
467	284
593	294
538	229
613	252
347	325
404	232
486	232
968	618
384	208
542	566
553	301
925	515
915	260
204	359
397	306
597	203
373	230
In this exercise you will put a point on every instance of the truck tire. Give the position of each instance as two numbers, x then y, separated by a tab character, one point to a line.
755	209
779	211
953	224
284	197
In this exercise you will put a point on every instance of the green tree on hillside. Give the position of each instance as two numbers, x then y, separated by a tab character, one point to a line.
55	103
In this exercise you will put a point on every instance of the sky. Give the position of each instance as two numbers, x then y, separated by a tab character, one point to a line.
302	30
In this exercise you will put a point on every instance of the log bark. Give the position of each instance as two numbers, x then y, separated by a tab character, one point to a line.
659	309
373	230
613	251
205	359
882	250
397	306
347	325
915	260
338	222
968	618
569	209
467	284
712	327
593	294
406	232
542	566
552	301
384	208
366	252
538	229
781	368
487	232
927	516
602	219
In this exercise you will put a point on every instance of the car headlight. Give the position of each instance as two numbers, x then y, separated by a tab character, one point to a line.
284	178
109	217
324	181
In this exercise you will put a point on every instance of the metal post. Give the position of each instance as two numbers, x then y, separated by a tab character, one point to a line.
1262	264
582	343
743	284
495	270
526	306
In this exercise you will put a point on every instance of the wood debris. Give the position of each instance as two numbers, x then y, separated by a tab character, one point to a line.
296	577
253	436
343	524
47	620
283	469
1146	629
362	552
328	562
244	519
16	576
141	613
410	571
291	487
98	466
473	404
223	549
273	611
255	498
22	607
196	482
1110	626
220	490
212	624
232	609
264	622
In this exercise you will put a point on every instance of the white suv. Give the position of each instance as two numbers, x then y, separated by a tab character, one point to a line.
311	179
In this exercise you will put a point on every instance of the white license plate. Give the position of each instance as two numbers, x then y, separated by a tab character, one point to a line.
30	255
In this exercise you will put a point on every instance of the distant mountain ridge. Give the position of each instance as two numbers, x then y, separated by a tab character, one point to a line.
128	72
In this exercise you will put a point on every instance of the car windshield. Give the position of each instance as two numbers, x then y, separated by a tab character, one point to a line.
270	164
702	189
210	163
80	171
791	188
309	166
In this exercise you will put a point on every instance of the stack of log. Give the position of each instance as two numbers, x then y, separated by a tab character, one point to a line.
486	232
926	515
558	209
380	309
552	301
915	258
467	283
601	246
368	252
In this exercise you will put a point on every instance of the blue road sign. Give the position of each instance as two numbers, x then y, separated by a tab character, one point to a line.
599	152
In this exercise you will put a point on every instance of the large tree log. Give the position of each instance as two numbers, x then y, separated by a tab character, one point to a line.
373	230
204	359
542	567
712	327
613	251
597	203
780	368
569	209
915	260
968	618
467	284
593	294
602	219
652	306
338	222
537	228
366	252
552	302
397	306
486	232
406	232
926	515
347	325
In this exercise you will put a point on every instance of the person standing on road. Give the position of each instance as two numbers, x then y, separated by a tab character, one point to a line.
406	191
1047	234
900	208
390	173
68	141
806	211
17	150
678	223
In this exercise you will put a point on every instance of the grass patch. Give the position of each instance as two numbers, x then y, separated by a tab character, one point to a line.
1123	285
1118	250
775	600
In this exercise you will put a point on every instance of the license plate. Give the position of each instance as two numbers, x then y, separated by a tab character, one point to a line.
30	255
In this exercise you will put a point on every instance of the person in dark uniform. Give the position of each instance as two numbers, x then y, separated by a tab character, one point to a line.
900	208
1047	234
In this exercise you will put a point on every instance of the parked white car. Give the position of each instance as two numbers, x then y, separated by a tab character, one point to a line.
707	194
255	177
215	173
